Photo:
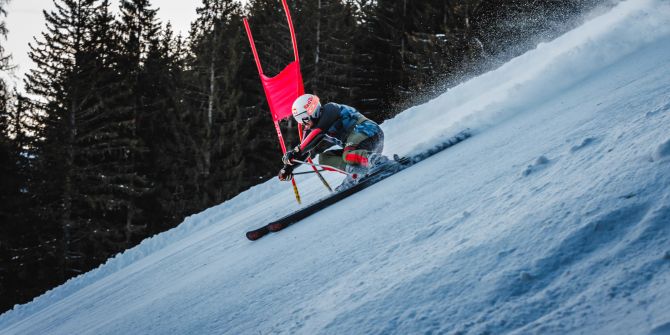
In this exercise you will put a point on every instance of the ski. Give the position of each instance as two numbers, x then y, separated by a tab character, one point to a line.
396	165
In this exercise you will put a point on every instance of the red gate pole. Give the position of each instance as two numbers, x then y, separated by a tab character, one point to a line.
277	128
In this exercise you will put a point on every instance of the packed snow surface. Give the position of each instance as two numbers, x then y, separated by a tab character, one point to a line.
553	218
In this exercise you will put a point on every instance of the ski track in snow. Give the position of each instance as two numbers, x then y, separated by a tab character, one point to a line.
554	218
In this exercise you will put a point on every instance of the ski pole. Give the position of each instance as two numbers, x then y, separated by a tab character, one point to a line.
329	168
323	180
325	167
301	135
308	172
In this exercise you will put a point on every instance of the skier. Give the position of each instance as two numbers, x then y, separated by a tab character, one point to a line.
361	140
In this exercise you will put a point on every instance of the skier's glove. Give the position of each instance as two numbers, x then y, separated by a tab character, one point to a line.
290	155
286	173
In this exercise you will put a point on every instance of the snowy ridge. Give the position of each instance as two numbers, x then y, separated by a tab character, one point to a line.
553	218
532	78
148	246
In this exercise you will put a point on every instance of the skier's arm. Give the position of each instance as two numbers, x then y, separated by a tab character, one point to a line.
330	114
312	140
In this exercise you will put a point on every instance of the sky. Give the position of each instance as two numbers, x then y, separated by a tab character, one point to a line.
25	20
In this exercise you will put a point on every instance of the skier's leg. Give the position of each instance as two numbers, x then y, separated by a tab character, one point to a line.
361	149
332	158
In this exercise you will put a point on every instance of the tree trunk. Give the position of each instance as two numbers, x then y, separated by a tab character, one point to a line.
66	217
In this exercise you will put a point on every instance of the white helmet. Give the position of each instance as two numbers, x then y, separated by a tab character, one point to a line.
306	107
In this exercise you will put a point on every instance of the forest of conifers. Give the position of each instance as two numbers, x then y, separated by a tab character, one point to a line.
123	127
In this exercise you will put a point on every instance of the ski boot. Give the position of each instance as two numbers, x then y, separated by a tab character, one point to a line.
355	173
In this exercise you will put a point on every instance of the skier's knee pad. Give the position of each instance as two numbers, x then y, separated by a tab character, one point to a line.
355	157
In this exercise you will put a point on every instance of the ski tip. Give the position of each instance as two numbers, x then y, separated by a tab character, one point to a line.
256	234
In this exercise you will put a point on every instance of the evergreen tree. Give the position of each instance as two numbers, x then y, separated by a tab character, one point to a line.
9	164
30	257
235	130
84	155
26	247
164	128
385	28
214	45
4	58
8	169
366	92
140	53
326	29
444	48
271	33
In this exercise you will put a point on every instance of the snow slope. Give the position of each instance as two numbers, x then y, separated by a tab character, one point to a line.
554	218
